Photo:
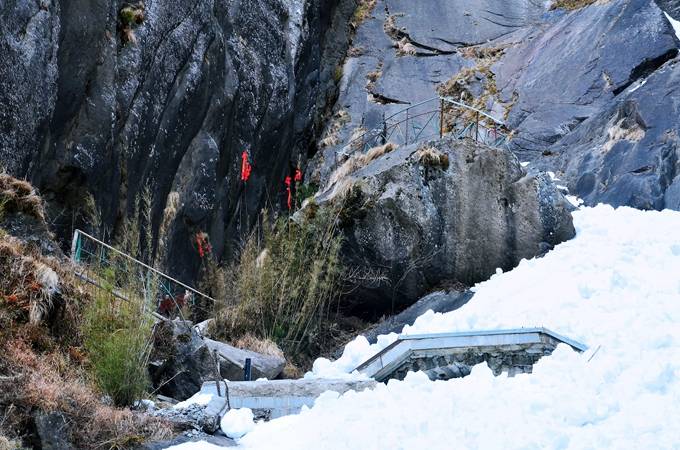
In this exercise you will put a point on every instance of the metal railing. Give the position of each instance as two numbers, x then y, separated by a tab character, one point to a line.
106	268
429	119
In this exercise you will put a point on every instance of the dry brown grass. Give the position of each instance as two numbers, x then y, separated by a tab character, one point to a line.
357	161
29	286
53	382
406	48
432	157
332	134
373	76
260	345
458	86
571	4
20	196
363	12
619	132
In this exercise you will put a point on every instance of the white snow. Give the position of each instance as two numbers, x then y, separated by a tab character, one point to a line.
200	445
237	422
615	287
199	398
574	200
674	23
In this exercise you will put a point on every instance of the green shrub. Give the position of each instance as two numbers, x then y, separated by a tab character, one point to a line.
118	341
285	282
118	322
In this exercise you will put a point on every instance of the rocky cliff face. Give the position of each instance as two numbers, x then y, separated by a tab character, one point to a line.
444	210
108	98
111	98
558	78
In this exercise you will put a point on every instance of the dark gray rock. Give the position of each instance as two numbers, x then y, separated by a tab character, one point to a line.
672	7
561	72
439	302
232	362
52	431
628	153
428	223
180	361
91	106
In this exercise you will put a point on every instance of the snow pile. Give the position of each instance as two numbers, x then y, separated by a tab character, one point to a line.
200	398
615	287
200	445
237	422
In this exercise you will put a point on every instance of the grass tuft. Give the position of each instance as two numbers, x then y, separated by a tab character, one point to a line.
285	296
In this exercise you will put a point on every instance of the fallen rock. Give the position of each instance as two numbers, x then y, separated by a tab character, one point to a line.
180	361
52	431
232	362
443	211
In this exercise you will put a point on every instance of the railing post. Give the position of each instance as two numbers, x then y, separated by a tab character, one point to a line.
441	118
406	126
75	247
246	370
477	128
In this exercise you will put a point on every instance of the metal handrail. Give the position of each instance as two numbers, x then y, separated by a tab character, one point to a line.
74	243
381	131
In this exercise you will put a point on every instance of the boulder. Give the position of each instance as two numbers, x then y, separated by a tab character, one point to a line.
180	361
439	302
443	211
52	431
232	362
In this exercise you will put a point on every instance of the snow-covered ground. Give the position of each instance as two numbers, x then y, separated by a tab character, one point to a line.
615	287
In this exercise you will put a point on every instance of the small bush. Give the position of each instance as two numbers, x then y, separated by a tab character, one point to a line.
571	4
118	341
432	157
285	282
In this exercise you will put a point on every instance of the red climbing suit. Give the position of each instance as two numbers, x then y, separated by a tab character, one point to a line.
246	168
202	244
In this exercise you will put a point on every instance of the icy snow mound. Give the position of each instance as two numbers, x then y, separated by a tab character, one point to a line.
237	422
615	287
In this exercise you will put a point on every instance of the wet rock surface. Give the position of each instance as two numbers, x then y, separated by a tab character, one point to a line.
456	217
